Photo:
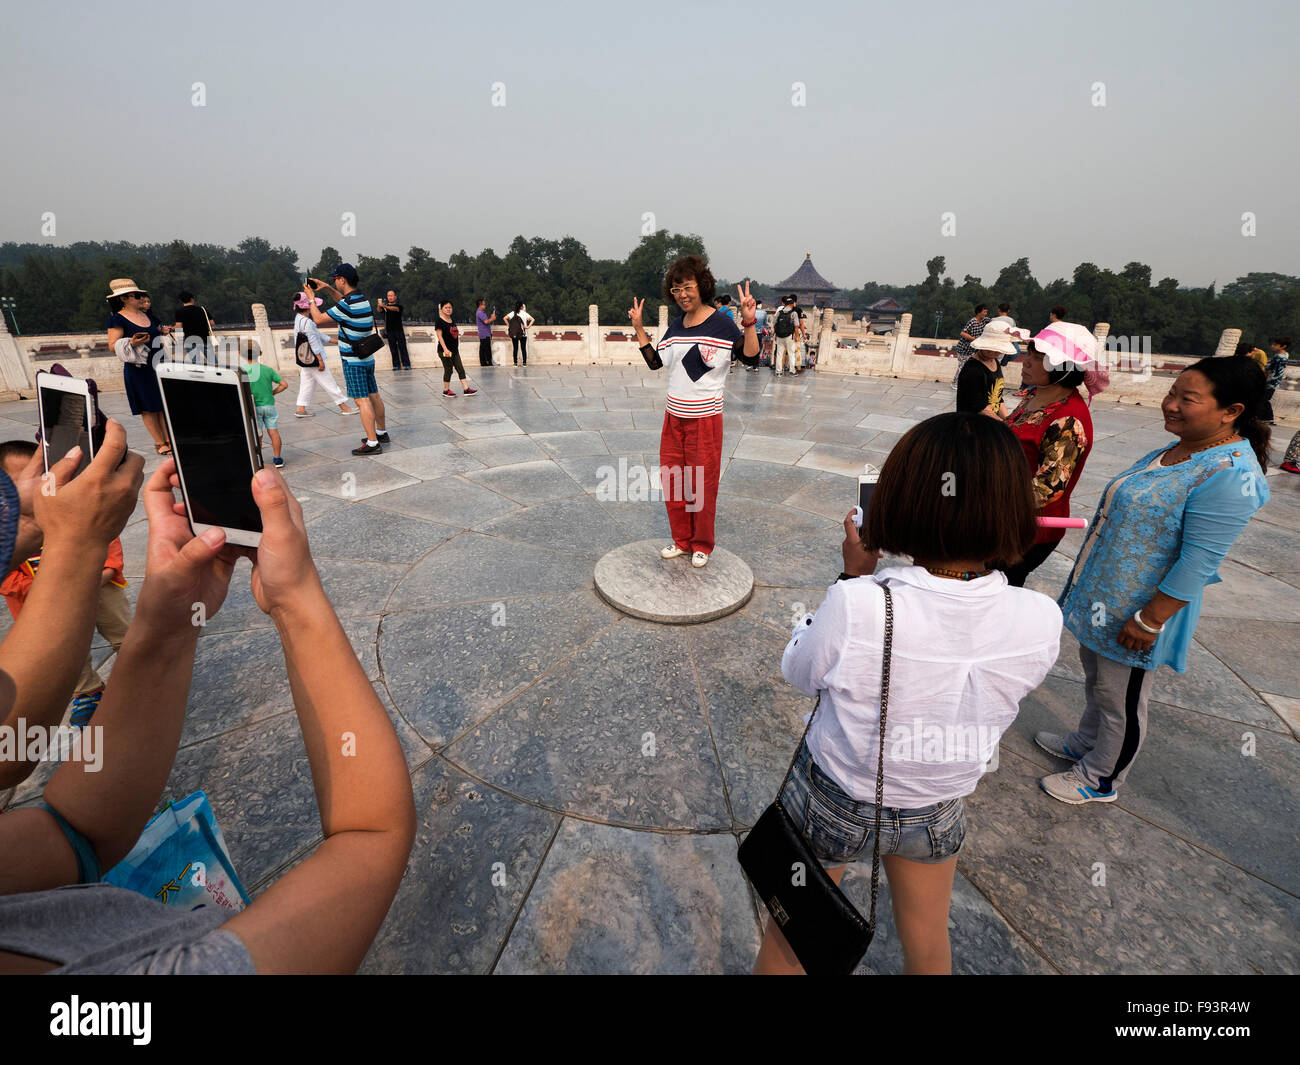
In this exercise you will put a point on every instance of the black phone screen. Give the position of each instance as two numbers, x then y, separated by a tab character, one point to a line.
63	414
865	489
211	449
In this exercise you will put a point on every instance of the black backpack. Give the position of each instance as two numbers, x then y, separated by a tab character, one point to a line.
302	353
784	324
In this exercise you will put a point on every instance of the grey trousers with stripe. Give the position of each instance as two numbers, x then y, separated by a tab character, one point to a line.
1114	720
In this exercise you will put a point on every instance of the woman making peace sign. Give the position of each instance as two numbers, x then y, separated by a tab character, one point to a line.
697	348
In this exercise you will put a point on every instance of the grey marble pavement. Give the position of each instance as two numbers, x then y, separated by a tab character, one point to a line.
583	778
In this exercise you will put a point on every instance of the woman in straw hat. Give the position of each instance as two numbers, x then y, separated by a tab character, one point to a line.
133	334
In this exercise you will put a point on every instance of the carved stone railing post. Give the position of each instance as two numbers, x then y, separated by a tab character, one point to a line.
593	334
1228	342
902	342
262	328
13	366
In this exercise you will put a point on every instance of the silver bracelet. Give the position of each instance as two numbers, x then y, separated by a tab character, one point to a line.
1145	627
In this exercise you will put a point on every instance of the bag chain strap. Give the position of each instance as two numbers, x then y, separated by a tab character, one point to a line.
880	765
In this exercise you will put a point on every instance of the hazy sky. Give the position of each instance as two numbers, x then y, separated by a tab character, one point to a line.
685	111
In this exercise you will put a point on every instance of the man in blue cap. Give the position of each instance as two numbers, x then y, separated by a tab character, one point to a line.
355	320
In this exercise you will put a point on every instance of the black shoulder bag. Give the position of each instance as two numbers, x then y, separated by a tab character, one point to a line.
826	932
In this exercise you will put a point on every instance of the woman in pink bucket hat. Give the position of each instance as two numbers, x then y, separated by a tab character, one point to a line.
319	374
1054	426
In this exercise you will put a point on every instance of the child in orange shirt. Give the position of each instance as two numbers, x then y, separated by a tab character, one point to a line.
114	615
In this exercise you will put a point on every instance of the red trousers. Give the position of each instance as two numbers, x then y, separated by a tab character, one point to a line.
690	461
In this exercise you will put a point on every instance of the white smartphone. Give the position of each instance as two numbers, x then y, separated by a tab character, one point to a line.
66	413
213	430
867	481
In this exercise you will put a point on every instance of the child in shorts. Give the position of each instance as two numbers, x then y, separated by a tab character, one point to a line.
265	383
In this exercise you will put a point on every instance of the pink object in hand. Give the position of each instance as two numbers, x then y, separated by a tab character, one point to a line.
1062	523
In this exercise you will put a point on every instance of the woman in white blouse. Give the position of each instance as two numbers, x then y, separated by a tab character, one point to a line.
955	496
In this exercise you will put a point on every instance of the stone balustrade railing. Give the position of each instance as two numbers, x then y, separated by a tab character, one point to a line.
848	348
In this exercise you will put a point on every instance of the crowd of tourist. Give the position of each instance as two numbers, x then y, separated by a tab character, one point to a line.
971	500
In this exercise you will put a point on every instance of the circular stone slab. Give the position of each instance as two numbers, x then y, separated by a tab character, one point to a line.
636	580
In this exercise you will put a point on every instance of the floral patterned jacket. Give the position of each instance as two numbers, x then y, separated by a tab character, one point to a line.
1056	441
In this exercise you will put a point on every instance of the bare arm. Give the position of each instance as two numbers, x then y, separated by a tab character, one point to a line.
50	638
362	786
109	793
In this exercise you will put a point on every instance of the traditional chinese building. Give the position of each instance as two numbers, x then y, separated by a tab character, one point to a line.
811	288
883	315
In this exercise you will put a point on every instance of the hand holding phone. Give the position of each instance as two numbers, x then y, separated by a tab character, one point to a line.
86	513
68	416
212	427
139	338
858	560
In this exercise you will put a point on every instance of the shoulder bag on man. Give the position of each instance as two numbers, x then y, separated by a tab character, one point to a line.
367	345
825	931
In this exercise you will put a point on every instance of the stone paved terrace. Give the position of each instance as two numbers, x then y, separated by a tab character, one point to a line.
462	569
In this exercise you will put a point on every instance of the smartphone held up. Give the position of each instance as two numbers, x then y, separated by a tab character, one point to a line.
213	431
867	481
68	416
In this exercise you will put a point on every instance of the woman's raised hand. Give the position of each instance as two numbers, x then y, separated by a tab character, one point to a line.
748	305
635	313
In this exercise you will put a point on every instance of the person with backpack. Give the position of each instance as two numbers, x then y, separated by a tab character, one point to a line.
309	354
518	322
786	331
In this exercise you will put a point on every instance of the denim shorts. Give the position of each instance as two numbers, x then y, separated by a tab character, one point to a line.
267	417
839	829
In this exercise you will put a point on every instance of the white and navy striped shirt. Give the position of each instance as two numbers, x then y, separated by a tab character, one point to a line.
716	337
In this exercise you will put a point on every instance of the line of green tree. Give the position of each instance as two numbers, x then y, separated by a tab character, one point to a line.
1186	321
62	289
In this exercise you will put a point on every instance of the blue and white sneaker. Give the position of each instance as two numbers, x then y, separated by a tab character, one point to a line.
84	707
1055	746
1072	787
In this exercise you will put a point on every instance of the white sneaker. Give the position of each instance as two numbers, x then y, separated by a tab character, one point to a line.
1072	787
1054	745
699	560
671	551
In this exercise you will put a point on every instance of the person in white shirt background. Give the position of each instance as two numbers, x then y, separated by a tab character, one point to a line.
954	496
309	378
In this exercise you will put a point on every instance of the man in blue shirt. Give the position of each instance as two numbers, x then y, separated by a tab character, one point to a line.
355	320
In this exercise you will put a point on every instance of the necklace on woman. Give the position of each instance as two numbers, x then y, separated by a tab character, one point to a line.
1197	450
957	575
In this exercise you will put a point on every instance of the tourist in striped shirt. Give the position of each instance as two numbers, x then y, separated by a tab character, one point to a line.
697	348
355	320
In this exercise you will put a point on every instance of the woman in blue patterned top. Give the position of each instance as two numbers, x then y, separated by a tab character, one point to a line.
1161	530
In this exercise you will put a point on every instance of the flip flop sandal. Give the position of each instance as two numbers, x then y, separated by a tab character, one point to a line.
165	444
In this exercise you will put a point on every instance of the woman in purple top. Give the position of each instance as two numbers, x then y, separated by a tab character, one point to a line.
484	322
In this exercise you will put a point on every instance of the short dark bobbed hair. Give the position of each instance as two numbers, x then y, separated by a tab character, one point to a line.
957	486
690	268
